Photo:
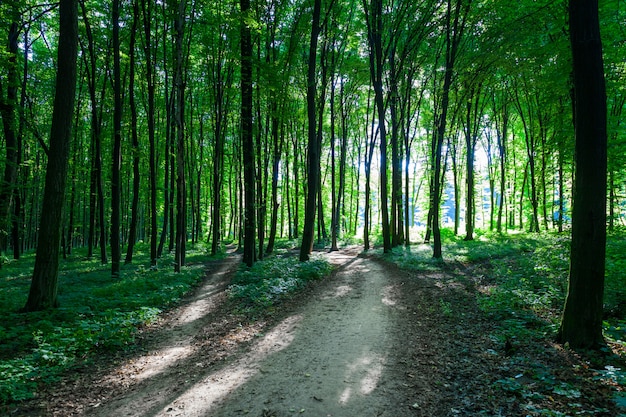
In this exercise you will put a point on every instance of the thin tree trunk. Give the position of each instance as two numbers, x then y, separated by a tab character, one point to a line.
179	118
134	210
149	59
116	162
313	138
247	140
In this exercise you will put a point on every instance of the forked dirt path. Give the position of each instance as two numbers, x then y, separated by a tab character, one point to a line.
332	357
329	357
370	340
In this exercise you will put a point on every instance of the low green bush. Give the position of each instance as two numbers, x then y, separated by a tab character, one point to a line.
269	281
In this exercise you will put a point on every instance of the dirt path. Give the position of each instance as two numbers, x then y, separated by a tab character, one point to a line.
330	357
371	340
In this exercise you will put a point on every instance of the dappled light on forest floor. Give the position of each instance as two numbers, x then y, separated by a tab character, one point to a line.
341	291
389	296
203	396
362	375
178	342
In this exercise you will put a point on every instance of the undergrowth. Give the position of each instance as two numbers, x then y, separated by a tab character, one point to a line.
260	288
521	282
97	314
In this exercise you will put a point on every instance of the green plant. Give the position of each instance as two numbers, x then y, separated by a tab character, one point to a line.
98	314
271	280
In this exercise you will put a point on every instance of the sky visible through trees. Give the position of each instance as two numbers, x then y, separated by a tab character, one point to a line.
226	122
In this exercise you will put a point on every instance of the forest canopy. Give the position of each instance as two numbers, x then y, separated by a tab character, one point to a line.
323	120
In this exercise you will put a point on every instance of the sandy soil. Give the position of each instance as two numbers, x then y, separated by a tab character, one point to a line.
371	340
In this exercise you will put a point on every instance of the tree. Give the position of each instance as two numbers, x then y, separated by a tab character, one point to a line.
134	210
314	144
116	162
8	106
581	325
247	140
374	20
454	28
44	285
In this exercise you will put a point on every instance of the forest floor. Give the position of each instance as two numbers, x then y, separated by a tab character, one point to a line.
370	340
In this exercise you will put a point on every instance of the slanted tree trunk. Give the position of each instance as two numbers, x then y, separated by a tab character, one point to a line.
581	325
44	285
96	197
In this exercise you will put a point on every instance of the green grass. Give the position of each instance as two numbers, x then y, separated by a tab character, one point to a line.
97	314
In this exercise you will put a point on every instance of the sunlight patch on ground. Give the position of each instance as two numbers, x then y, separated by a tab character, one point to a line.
155	363
198	308
203	396
389	296
341	291
362	375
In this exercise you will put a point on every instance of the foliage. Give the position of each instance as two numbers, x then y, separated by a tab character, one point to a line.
98	314
521	284
269	281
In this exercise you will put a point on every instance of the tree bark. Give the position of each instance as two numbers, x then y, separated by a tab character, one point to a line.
179	118
44	285
134	210
7	111
581	325
313	141
149	57
247	140
116	162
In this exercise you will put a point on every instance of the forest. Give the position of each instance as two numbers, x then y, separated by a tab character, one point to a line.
145	137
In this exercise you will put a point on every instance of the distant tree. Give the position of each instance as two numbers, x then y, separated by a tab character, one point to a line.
581	325
44	285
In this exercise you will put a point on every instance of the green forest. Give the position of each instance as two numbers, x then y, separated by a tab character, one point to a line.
145	143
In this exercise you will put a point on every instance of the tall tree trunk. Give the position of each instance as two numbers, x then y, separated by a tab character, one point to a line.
581	325
146	7
374	20
313	138
454	31
179	118
247	140
7	111
220	107
369	156
44	285
134	210
116	167
96	202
